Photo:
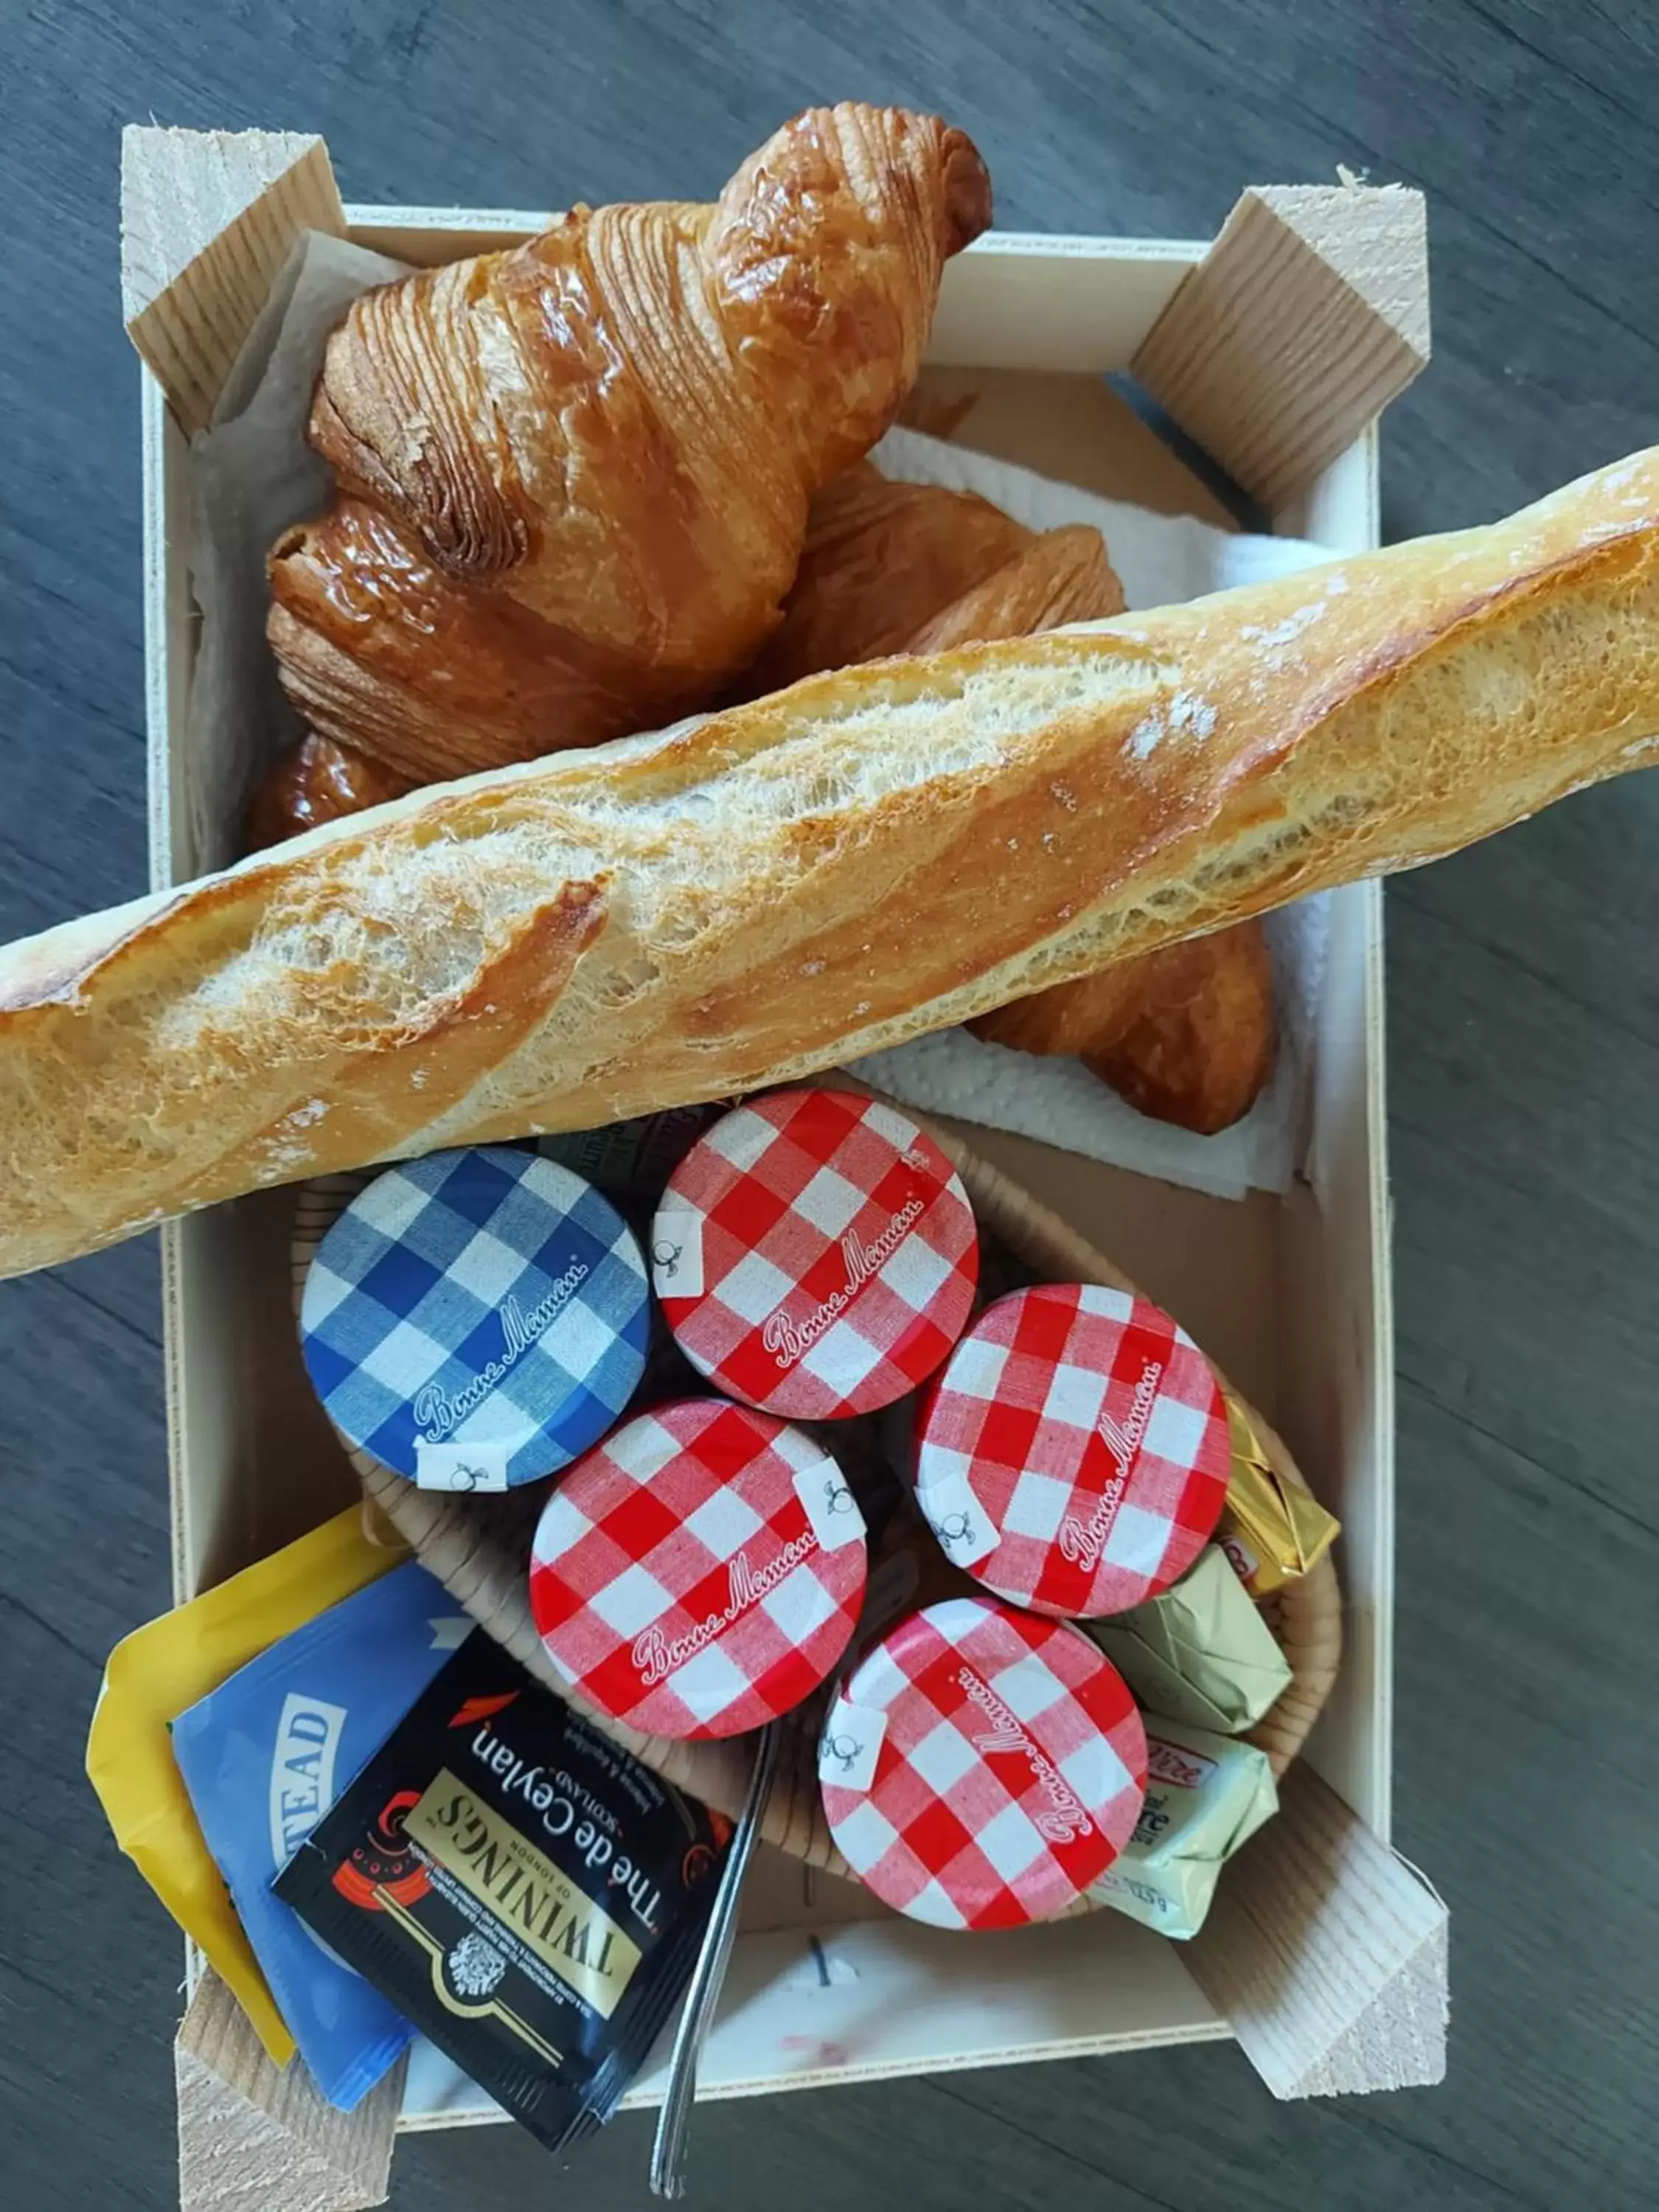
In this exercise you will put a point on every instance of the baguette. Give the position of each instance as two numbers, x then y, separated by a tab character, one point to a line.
758	893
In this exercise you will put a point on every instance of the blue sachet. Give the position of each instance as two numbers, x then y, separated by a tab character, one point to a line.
265	1755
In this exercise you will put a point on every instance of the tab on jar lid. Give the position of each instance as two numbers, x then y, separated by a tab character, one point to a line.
1073	1454
981	1768
815	1254
700	1572
475	1319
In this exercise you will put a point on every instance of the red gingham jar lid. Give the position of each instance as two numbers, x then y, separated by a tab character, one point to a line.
981	1768
700	1571
1073	1454
815	1254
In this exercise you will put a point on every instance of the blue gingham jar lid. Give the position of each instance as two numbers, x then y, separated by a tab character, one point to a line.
475	1319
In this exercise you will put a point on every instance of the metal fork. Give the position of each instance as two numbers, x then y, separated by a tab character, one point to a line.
674	2121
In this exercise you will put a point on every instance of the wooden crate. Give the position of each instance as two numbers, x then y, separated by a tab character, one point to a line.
1324	1956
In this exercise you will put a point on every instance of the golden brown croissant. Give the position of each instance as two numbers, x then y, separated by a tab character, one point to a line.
314	781
886	563
1185	1034
573	478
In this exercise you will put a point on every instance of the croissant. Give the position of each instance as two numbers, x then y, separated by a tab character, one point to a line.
886	564
316	781
1185	1034
573	477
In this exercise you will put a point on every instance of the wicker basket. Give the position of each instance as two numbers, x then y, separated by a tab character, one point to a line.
479	1546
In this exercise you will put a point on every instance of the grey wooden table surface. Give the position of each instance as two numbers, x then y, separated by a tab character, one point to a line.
1524	1043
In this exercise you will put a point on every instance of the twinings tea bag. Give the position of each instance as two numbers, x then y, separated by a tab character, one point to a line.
263	1756
1205	1798
815	1254
168	1664
1200	1652
1272	1530
526	1893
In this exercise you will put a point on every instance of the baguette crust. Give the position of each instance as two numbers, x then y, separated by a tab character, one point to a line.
755	895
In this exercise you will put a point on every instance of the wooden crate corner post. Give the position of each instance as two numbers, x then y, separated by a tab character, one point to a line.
256	2137
208	218
1308	314
1328	1953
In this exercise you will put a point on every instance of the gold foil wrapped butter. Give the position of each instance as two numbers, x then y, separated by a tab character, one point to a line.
1271	1529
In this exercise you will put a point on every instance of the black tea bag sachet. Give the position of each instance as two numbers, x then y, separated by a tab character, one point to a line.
526	1893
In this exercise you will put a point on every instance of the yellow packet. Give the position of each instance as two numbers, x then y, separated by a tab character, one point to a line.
164	1667
1273	1531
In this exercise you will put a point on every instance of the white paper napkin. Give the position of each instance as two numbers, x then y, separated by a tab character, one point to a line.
252	475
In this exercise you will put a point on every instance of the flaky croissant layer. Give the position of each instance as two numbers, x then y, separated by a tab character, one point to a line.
573	477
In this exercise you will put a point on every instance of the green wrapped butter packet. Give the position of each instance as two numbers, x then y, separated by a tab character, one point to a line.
1206	1796
1200	1652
